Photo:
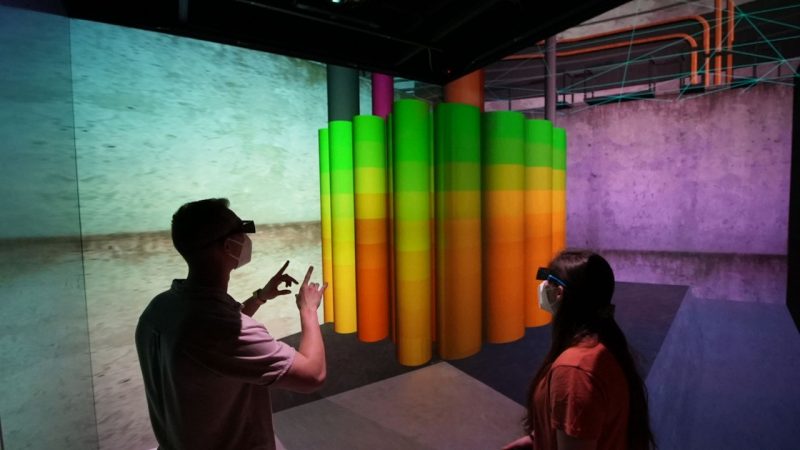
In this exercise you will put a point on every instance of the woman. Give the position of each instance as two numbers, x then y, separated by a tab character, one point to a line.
587	394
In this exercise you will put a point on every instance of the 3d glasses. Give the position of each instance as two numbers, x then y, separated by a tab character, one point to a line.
546	274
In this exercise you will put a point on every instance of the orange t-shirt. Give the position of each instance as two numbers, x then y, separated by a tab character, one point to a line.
584	394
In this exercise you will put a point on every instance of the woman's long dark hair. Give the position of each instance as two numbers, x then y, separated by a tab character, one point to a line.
583	311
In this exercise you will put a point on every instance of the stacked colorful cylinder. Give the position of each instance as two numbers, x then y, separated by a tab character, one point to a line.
382	94
412	230
372	255
390	186
559	190
468	90
458	226
493	206
503	225
432	222
325	222
538	213
343	225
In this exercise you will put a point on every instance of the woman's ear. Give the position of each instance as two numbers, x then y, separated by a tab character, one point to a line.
559	293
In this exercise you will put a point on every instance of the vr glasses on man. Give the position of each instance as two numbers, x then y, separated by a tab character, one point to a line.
240	226
245	226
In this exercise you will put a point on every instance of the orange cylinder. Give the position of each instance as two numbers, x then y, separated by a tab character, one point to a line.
467	89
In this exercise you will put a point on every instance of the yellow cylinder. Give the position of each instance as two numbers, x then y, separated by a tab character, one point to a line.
343	226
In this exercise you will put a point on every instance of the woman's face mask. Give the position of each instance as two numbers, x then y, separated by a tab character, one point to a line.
547	297
245	251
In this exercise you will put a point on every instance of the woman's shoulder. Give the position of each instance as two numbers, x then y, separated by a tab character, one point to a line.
588	354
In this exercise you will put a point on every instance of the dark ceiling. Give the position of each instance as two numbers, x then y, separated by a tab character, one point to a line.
434	41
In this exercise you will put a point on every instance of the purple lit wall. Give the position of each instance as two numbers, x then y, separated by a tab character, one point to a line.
691	191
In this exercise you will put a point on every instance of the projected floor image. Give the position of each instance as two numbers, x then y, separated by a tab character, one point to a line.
124	272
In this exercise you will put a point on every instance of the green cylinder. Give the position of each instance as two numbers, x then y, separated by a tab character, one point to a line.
458	230
372	255
412	230
538	213
325	221
343	226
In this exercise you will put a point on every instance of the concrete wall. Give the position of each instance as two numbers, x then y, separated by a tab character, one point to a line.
690	191
46	393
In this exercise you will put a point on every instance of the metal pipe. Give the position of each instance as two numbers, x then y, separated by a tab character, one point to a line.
700	19
731	26
550	91
688	38
183	10
718	38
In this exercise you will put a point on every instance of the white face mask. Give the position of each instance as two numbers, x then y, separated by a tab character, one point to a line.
547	298
245	252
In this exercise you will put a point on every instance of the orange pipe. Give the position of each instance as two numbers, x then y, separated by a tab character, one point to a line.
731	26
581	51
700	19
718	37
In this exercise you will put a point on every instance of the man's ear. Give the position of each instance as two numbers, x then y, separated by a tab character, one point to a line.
229	246
559	293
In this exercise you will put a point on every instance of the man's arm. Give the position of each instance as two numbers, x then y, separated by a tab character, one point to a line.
251	305
308	371
268	292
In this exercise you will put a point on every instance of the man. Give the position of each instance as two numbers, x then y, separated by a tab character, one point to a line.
207	365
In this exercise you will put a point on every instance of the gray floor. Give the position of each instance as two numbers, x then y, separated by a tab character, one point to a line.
727	378
436	407
723	376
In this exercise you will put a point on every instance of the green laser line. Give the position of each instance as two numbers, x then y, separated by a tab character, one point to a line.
629	61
